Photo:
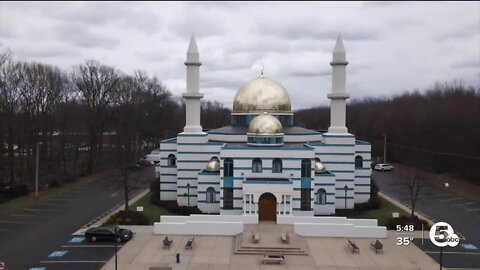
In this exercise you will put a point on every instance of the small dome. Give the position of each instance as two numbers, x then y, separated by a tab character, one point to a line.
265	124
213	165
319	167
262	95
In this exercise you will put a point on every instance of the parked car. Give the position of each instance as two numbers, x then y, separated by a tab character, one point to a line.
383	167
108	233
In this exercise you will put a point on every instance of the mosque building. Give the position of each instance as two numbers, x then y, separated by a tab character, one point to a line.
262	164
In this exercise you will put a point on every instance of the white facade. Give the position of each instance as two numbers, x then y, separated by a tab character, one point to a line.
289	156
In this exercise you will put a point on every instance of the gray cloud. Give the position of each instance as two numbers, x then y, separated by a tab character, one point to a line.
84	36
388	44
465	31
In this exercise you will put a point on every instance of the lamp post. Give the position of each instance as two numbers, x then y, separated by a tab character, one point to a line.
346	189
384	148
441	248
37	161
116	248
188	194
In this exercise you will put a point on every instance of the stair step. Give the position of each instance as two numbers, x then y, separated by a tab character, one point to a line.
276	248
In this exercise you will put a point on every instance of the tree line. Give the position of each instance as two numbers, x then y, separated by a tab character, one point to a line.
437	129
84	119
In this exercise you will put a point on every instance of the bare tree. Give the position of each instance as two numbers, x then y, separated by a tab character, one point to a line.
42	88
413	181
96	85
9	100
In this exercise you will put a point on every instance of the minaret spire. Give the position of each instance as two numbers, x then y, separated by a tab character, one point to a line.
193	95
339	95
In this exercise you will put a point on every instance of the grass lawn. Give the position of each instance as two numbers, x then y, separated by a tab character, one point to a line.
20	203
153	212
384	213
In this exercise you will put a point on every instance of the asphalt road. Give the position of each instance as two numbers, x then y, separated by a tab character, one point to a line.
441	205
34	233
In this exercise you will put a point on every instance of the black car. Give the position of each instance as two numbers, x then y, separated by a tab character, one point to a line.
108	233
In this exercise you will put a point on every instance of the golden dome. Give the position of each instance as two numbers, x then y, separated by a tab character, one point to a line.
262	95
213	165
265	124
319	167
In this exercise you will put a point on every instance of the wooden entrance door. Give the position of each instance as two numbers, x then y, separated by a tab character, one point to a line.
267	207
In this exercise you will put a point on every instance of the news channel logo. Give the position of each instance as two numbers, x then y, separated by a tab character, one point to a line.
441	234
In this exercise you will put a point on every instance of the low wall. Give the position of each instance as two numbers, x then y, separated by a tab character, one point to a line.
246	219
339	230
198	228
325	220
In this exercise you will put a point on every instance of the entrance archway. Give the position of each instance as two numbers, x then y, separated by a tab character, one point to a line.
267	207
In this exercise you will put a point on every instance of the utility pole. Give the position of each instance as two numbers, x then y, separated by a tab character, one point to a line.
125	186
36	169
385	148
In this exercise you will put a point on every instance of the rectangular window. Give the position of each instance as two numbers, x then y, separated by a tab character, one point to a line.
305	201
228	198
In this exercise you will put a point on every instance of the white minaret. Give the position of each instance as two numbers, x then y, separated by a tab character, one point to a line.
339	95
192	96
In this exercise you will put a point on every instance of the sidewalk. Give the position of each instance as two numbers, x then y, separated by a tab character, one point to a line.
106	215
405	207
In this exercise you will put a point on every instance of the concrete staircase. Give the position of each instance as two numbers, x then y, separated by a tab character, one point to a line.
269	241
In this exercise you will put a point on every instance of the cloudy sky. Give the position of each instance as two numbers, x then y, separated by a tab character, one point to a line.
391	47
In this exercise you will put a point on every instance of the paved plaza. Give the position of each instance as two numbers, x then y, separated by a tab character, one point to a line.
145	250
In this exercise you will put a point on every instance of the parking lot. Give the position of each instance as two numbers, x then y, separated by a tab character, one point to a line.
78	253
30	236
441	205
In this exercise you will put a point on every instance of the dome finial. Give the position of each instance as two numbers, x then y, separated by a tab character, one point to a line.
261	72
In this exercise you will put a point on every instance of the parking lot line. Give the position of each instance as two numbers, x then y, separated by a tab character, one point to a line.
27	215
45	262
454	252
57	199
472	203
40	210
15	222
471	210
451	200
91	246
52	204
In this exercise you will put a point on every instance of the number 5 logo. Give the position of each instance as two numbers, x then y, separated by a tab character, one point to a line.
441	234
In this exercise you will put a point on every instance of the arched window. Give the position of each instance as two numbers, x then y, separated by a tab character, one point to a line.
321	196
172	160
210	195
358	162
228	167
257	165
277	166
306	168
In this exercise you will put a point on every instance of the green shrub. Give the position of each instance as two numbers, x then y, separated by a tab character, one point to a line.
174	208
155	191
128	218
372	203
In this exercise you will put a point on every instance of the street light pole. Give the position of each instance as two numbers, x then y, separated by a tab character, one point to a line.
188	194
37	161
346	189
384	148
116	248
441	258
